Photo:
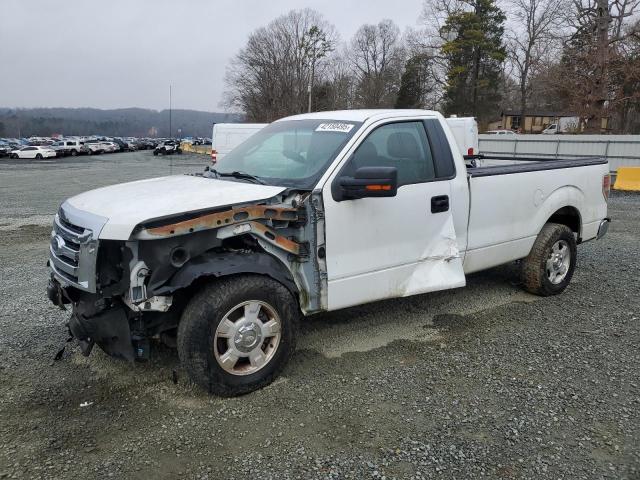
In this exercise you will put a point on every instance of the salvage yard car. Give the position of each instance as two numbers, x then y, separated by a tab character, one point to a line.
36	152
167	147
94	147
313	213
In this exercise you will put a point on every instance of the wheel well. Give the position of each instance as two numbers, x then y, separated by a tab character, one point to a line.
569	216
222	264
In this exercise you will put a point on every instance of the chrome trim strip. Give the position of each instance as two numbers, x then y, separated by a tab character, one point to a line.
64	266
64	249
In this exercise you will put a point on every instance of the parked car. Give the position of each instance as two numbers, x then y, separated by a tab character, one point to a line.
5	149
167	148
110	147
75	147
313	213
34	151
133	145
60	149
148	143
122	145
94	147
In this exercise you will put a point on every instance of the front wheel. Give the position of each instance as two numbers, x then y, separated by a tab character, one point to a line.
237	334
550	265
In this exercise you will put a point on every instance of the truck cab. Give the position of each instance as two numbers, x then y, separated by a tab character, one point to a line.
312	213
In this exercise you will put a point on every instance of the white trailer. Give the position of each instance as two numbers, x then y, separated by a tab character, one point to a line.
465	131
227	136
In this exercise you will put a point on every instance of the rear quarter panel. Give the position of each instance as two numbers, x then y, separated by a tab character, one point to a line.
508	211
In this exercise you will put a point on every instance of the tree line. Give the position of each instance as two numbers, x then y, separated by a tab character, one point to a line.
467	57
139	122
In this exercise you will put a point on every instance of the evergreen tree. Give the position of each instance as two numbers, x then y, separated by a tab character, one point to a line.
474	53
413	86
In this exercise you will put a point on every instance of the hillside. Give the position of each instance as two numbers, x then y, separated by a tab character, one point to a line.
137	122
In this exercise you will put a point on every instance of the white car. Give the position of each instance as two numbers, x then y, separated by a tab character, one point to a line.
110	147
94	148
33	152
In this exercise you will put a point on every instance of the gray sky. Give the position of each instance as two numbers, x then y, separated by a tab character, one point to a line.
125	53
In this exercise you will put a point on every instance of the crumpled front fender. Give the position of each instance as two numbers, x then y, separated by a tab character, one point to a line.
228	263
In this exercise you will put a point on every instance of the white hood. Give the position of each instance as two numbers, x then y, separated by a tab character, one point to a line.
128	204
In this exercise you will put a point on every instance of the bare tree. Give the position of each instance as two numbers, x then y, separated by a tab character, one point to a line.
269	77
377	57
599	77
535	32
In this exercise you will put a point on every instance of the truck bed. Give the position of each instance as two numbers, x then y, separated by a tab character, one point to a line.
511	198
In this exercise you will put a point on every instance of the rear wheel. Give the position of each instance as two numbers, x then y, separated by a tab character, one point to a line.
38	156
237	334
550	265
74	153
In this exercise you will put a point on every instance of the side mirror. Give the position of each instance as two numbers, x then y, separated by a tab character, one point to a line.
366	182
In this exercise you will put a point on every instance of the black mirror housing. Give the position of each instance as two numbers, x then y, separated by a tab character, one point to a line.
367	182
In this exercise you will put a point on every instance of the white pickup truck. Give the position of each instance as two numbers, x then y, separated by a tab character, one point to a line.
313	213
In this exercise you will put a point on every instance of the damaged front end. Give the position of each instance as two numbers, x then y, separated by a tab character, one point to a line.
124	293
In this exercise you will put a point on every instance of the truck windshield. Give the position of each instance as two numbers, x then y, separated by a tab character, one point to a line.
292	153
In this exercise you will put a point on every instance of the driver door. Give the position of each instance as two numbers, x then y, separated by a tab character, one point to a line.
397	246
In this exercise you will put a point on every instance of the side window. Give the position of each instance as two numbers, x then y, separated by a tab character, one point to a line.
403	145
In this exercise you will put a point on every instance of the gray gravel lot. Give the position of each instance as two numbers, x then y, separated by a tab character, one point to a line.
481	382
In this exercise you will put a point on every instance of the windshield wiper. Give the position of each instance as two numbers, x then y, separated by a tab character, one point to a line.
241	175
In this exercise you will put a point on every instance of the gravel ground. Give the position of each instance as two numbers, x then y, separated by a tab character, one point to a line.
480	382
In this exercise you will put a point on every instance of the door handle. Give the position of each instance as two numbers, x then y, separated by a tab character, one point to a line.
440	203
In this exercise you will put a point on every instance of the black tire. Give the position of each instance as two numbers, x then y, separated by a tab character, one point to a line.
155	153
74	153
38	156
535	272
205	312
89	152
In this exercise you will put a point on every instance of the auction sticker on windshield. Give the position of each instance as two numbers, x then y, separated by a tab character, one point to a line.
335	127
